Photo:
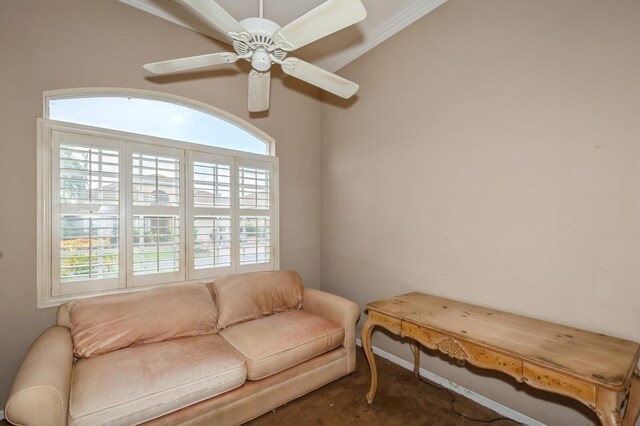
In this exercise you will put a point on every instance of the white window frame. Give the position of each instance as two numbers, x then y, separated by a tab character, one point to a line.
50	293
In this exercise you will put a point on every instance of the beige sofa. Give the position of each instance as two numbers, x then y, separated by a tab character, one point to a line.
220	353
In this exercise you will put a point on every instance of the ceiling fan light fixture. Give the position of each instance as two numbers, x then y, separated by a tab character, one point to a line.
261	61
261	31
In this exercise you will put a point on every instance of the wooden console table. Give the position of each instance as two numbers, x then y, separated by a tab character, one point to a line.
597	370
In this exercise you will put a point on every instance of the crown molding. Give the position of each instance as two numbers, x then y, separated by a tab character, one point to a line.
393	25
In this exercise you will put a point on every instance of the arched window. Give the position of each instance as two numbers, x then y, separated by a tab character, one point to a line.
137	188
154	114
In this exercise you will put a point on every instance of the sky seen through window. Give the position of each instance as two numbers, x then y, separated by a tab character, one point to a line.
155	118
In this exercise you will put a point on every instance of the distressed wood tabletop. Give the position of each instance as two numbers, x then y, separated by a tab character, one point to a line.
596	358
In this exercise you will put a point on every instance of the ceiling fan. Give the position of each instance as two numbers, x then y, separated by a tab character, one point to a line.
263	43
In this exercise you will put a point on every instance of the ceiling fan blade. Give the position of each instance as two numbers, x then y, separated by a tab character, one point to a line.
193	62
325	19
259	85
214	14
320	78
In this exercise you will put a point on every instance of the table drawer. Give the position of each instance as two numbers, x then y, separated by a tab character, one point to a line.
392	324
464	350
542	378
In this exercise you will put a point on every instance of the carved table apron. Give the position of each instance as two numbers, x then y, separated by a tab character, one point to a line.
598	370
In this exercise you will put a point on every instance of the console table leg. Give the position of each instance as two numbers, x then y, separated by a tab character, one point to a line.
367	329
633	409
608	407
415	348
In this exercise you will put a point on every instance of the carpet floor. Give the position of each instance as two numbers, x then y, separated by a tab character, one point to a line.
401	399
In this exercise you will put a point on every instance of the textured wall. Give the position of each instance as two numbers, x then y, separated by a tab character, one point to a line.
493	156
46	45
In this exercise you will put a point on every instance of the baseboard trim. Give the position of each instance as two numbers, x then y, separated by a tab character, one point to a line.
468	393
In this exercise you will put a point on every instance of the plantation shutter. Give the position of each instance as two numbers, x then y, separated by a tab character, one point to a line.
255	214
157	229
211	197
117	211
86	223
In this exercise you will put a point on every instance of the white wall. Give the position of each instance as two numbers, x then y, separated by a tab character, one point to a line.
492	156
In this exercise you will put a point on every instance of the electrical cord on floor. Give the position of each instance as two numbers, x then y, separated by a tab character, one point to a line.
452	401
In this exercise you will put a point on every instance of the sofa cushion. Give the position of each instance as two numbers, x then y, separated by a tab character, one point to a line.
107	323
243	297
143	382
280	341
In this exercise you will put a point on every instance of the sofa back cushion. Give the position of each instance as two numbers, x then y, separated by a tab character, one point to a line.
243	297
107	323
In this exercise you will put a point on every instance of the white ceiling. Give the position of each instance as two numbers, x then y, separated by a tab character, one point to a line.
384	19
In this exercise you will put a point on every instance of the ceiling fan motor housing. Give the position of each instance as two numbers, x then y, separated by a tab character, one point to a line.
262	32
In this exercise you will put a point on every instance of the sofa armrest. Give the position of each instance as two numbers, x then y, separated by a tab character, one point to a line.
40	391
338	310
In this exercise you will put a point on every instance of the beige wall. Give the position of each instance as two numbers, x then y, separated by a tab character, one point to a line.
493	156
57	44
499	164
